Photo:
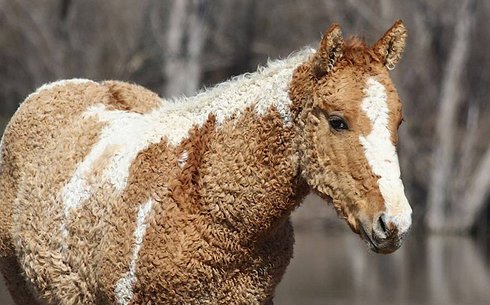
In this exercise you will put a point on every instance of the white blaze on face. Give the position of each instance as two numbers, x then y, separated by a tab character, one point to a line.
382	157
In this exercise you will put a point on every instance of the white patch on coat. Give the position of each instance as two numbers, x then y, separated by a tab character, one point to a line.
133	132
124	286
382	157
183	158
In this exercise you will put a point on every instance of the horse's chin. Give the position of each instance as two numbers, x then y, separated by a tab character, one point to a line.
373	246
357	227
367	239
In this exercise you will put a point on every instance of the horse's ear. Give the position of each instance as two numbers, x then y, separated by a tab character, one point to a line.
390	47
329	52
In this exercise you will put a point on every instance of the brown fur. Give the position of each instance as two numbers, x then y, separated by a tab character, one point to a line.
23	160
130	97
213	252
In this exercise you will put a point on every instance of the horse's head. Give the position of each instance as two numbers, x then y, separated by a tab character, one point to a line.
348	115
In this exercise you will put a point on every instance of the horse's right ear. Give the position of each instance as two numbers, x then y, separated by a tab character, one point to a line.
329	52
389	48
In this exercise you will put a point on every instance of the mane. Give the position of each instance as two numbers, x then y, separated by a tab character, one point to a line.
265	88
273	65
357	52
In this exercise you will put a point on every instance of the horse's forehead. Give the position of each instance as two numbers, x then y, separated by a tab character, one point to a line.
340	92
346	89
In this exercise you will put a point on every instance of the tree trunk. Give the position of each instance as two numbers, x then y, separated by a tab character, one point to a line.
443	156
185	39
475	196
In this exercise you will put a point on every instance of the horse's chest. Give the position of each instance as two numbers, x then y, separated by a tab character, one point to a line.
199	271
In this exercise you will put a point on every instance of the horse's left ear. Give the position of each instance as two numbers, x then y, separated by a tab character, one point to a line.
390	47
329	52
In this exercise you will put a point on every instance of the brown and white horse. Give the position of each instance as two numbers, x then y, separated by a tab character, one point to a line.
111	195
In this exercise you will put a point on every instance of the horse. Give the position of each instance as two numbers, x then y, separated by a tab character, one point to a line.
110	194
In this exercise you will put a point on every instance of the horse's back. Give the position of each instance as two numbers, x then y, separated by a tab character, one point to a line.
45	141
59	106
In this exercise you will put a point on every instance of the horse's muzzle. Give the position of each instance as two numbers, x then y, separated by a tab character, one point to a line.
386	233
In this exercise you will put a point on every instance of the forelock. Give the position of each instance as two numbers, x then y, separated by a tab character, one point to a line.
357	52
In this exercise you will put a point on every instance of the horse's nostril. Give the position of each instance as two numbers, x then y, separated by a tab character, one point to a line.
388	231
382	224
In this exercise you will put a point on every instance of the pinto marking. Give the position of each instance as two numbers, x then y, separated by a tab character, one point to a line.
124	287
133	132
381	154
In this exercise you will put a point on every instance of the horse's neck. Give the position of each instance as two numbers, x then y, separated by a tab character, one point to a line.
250	173
240	139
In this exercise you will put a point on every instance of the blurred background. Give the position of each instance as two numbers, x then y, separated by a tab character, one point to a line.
177	47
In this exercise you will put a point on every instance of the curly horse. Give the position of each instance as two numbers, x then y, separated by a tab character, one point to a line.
112	195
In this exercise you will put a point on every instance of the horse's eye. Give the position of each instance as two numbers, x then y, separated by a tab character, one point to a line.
337	123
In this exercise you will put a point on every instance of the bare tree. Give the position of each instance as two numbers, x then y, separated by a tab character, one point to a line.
456	193
181	43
